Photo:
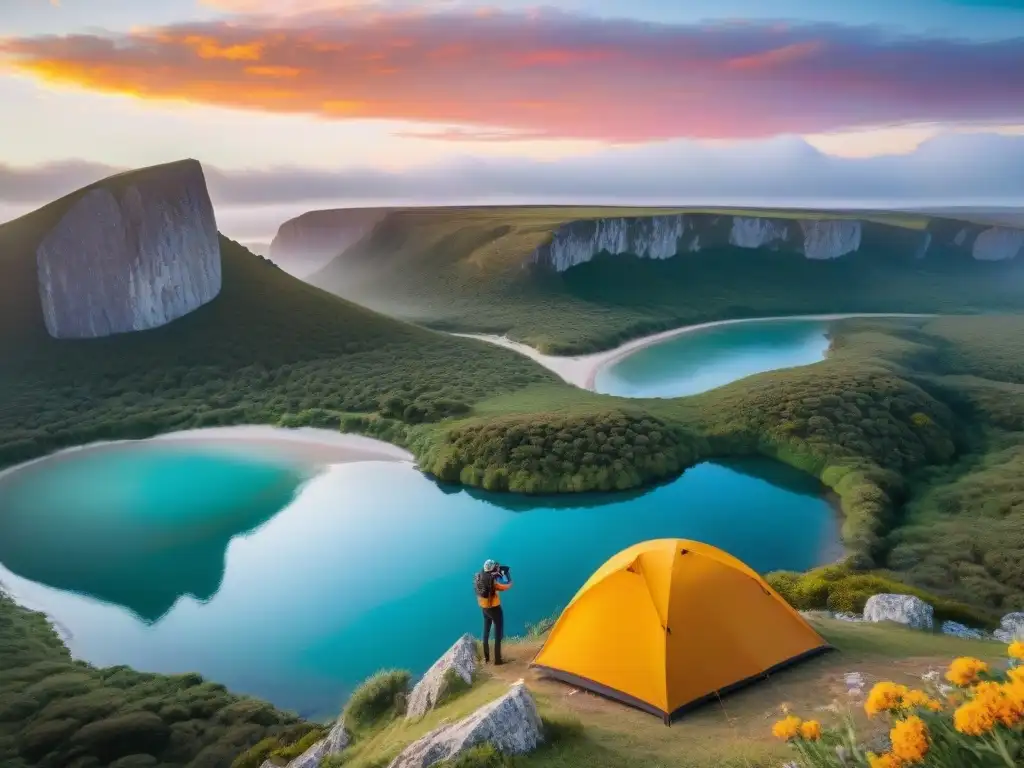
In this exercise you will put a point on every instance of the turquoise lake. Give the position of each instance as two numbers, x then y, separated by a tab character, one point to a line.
294	585
701	360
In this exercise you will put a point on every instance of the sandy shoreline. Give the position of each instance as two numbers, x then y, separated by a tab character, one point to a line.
302	444
582	370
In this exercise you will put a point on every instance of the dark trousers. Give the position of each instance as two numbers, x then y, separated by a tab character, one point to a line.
497	618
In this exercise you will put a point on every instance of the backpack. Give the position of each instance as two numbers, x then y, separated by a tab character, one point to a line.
483	584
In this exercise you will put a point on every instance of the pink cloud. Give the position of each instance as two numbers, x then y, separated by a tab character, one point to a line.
547	74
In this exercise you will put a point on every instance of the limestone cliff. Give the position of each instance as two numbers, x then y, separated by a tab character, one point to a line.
662	237
998	244
308	242
130	253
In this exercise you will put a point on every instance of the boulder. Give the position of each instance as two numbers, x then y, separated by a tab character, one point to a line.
510	724
903	609
1011	628
336	740
133	252
959	630
458	663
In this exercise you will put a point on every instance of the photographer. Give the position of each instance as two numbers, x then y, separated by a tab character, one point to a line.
489	582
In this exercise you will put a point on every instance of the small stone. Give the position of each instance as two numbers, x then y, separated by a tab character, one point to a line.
1011	628
960	630
511	724
458	661
902	609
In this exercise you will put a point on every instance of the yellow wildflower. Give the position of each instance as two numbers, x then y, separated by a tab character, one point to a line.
884	697
888	760
788	729
1016	675
965	670
1016	650
810	730
910	739
973	718
919	699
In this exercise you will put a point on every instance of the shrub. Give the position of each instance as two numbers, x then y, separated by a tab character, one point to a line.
291	751
840	589
123	735
375	698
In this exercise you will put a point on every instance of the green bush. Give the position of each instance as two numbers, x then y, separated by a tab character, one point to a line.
838	588
375	698
549	453
480	756
291	751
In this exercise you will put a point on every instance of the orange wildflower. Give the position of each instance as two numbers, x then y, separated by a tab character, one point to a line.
1016	650
888	760
884	697
787	729
965	670
810	730
910	739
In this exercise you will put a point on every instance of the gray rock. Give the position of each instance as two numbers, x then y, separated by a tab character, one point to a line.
831	238
998	244
903	609
1011	628
459	660
959	630
337	739
133	252
312	757
511	724
309	242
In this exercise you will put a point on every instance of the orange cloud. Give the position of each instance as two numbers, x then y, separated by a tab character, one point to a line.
543	74
777	56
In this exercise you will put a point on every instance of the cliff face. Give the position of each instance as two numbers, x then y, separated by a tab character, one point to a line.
308	242
662	237
133	252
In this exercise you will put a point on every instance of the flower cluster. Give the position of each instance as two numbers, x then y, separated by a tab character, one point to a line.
976	722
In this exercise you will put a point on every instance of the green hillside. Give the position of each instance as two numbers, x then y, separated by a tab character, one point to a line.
269	347
465	269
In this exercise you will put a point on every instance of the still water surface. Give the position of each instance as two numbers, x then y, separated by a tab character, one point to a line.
711	357
295	586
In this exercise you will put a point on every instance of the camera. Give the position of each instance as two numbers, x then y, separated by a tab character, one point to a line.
504	571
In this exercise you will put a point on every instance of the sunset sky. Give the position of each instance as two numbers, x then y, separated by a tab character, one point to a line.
300	104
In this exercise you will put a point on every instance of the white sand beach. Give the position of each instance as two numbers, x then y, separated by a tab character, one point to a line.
305	445
581	370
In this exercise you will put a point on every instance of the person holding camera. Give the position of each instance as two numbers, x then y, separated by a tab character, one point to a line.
489	582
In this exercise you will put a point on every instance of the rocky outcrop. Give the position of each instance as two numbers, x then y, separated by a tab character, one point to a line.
830	239
749	232
131	253
1011	628
337	739
902	609
651	237
662	237
457	664
511	724
998	244
308	242
959	630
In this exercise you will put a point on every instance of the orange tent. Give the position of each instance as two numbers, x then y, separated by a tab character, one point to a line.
668	624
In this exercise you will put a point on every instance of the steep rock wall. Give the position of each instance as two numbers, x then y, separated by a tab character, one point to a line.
661	237
998	244
830	239
308	242
131	253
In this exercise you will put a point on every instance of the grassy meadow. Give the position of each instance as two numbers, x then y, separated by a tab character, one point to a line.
585	729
